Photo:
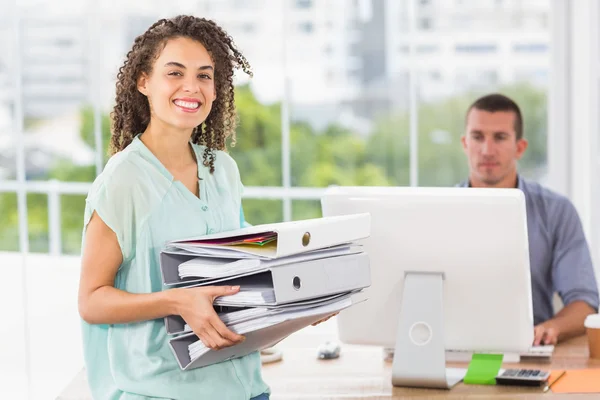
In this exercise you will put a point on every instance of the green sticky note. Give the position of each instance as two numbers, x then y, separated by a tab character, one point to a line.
483	369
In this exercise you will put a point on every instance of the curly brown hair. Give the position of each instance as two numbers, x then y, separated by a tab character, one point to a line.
131	114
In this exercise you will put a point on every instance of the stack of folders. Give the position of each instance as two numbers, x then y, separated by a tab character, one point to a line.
290	274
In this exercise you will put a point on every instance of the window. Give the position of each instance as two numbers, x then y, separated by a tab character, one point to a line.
530	48
305	27
330	75
371	80
427	49
435	75
476	48
248	27
354	74
425	24
66	42
355	50
304	3
237	4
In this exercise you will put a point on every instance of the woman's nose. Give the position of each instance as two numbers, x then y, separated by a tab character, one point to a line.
191	86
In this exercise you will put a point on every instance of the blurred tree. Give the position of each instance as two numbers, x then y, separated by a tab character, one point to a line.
9	222
87	130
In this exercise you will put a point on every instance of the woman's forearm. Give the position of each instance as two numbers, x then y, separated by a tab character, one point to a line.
109	305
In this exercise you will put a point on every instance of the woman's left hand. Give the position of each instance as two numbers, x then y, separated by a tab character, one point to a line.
324	319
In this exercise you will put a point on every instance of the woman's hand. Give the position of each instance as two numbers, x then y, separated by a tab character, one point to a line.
324	319
195	305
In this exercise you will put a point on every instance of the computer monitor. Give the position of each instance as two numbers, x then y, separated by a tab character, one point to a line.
449	271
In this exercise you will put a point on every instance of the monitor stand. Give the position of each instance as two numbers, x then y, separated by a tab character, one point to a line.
419	357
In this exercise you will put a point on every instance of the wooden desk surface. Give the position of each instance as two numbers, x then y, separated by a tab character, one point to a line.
361	373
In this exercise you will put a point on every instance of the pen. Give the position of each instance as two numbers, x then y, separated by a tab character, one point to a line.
554	381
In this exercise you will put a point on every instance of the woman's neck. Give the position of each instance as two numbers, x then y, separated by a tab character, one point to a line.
170	146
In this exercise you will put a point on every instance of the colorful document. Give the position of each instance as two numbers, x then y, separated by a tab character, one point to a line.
257	239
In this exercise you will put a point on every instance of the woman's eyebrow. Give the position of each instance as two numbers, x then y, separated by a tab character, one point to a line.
180	65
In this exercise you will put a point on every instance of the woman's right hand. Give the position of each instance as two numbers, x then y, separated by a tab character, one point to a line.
195	306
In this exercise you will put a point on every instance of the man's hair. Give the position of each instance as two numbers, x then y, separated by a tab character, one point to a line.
497	102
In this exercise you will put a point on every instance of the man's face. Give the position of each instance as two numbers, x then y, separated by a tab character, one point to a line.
491	146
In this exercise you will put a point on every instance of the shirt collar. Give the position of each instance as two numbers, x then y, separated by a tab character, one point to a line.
520	183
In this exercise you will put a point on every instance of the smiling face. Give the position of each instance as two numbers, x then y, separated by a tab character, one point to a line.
181	86
492	148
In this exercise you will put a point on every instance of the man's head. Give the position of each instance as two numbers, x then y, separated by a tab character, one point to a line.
493	141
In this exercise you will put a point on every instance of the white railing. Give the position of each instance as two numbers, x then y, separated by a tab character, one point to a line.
54	189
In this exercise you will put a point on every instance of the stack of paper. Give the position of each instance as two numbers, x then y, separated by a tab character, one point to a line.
198	349
249	295
290	275
210	268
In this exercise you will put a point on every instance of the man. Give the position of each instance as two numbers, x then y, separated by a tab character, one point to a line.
559	256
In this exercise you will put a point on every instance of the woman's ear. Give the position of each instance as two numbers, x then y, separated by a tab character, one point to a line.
142	83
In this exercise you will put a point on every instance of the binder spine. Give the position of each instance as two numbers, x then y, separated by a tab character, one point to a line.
321	277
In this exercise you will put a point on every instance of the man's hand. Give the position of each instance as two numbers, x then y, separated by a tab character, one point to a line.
567	323
546	333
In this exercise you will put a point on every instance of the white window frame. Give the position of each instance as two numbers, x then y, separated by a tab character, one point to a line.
573	142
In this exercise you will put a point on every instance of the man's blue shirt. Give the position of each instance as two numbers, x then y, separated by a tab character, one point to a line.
559	256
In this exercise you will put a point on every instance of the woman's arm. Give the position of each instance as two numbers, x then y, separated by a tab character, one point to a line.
101	303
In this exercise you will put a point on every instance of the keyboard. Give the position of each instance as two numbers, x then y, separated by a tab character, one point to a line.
540	353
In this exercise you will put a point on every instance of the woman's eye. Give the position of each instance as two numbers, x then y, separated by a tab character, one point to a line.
175	73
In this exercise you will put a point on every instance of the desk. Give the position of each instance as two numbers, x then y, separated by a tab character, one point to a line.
361	373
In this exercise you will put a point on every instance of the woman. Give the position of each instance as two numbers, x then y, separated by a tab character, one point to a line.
168	178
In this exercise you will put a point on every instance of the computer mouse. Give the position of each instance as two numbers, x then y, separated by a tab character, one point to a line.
329	350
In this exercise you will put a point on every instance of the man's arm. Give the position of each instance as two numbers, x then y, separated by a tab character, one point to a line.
572	275
566	324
